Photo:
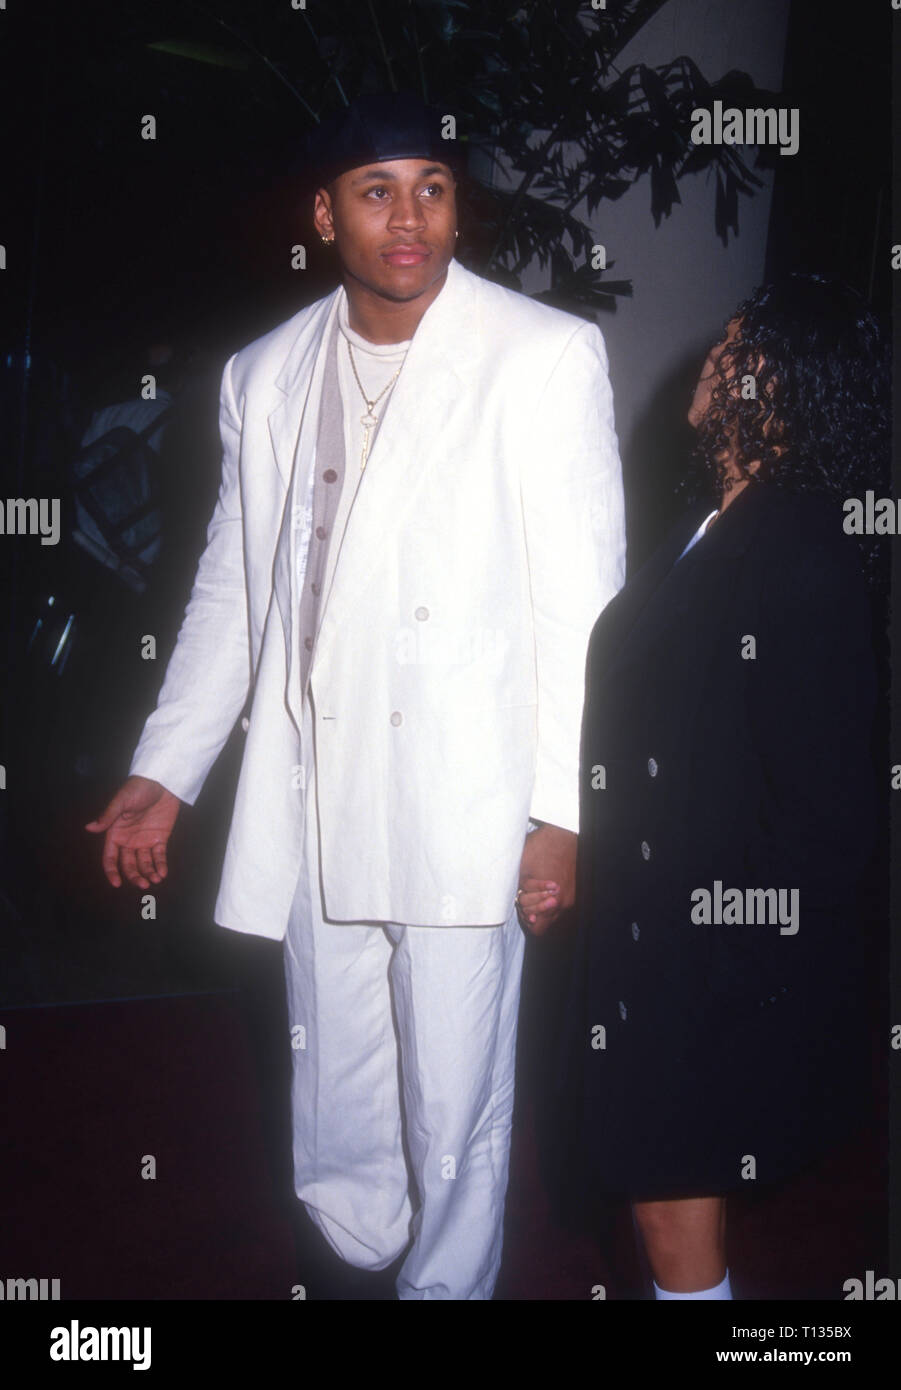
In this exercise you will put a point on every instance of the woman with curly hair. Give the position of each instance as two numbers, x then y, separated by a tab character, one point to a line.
717	1032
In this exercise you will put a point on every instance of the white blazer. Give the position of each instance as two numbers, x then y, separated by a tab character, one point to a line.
448	673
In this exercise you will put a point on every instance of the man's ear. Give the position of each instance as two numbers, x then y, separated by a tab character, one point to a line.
323	219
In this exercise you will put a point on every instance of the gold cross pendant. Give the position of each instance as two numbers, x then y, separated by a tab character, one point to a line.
367	437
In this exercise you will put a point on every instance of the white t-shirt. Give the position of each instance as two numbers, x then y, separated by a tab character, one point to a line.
376	364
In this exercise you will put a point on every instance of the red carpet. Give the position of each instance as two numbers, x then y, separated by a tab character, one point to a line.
93	1089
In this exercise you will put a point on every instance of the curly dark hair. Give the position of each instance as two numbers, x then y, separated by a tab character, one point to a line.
819	417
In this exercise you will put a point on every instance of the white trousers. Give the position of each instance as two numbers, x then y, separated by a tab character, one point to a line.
403	1043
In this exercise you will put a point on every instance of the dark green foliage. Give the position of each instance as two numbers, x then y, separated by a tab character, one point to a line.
536	86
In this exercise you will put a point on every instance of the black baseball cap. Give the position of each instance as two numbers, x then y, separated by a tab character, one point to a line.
378	126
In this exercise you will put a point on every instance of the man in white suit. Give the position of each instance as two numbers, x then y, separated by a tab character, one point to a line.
420	519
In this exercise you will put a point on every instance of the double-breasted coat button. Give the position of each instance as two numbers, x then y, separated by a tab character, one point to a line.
330	476
645	850
308	643
421	614
397	718
622	1011
636	933
652	766
315	589
320	533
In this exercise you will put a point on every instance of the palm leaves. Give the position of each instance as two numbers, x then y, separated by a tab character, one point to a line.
536	90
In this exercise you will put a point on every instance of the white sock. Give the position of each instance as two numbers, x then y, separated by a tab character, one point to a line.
723	1290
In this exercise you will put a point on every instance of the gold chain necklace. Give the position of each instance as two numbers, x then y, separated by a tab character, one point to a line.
369	420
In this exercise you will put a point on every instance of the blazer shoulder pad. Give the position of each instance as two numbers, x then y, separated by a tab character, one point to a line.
806	545
510	312
265	356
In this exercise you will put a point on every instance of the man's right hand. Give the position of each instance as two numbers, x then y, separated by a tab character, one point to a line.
138	822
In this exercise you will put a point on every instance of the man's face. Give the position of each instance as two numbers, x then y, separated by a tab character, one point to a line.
394	224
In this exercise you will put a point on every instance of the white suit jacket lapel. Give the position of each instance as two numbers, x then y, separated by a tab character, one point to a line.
432	391
300	382
293	427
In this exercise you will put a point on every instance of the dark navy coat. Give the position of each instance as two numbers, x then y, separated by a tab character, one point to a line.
726	737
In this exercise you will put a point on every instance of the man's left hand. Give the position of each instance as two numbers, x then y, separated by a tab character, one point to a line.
547	877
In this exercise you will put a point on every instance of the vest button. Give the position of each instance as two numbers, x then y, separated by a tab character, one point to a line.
397	718
421	614
321	533
330	476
